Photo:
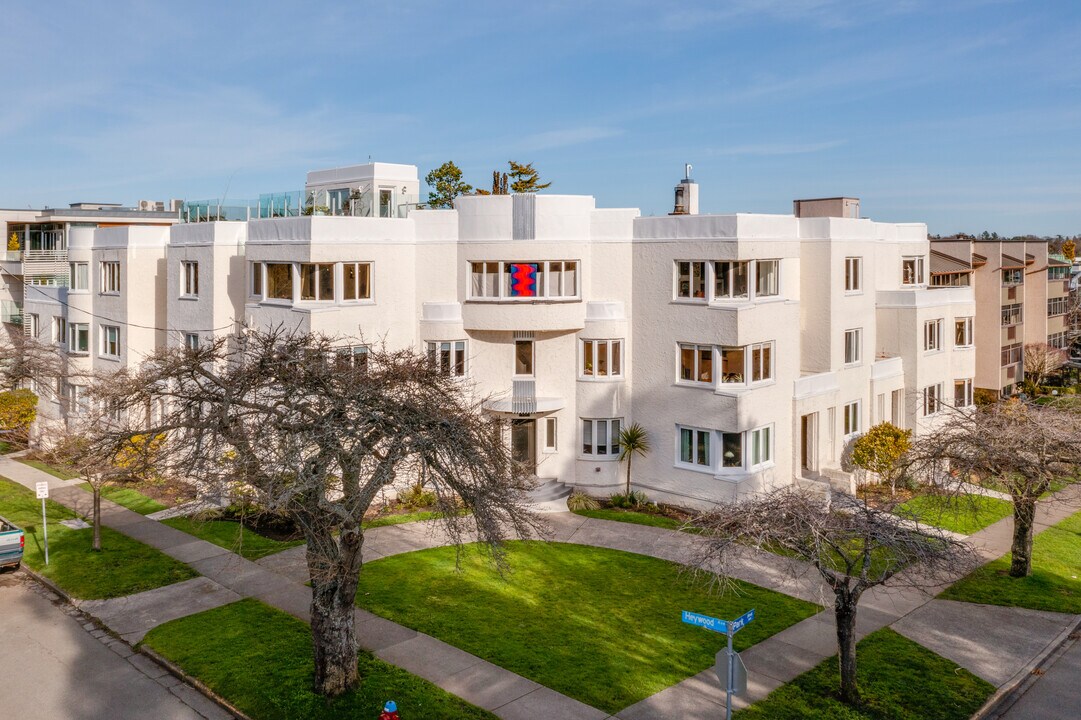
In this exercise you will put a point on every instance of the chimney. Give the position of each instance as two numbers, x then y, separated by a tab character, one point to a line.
686	202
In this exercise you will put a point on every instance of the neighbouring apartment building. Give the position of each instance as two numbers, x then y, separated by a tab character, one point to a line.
1022	295
751	347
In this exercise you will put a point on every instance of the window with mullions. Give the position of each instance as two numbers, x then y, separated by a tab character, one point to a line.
1012	314
189	276
912	271
932	399
279	281
767	278
852	421
600	438
853	274
730	280
1058	272
523	281
79	277
110	341
1013	276
602	358
962	332
317	281
78	337
932	335
962	393
449	357
696	363
1057	306
110	277
353	357
853	346
356	281
694	446
691	280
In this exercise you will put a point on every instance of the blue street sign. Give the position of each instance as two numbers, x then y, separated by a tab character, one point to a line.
742	620
709	623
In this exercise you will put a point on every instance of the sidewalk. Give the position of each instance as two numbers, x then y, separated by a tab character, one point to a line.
278	580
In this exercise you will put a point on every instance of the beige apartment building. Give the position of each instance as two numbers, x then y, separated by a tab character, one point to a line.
1022	296
753	348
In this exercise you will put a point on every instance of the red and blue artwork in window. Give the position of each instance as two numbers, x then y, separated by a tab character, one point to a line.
523	279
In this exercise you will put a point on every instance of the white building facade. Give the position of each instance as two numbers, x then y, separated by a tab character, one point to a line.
751	348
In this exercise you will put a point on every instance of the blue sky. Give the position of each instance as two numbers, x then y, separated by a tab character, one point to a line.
965	114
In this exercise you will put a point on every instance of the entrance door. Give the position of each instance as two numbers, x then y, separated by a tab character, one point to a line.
809	442
523	444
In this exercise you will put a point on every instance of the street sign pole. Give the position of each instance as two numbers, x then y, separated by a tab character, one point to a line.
42	489
731	676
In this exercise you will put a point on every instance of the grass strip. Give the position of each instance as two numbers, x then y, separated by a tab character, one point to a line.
232	536
260	660
964	515
123	566
1054	584
898	680
127	497
601	626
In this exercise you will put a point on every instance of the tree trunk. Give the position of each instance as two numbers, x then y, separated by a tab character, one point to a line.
96	490
628	475
334	589
1024	519
844	611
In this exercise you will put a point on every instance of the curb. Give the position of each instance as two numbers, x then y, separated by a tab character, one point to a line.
1005	697
165	664
176	671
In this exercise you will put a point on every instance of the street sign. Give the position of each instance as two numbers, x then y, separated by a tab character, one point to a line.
739	671
42	489
709	623
742	620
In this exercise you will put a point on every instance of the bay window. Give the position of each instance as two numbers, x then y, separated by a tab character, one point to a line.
600	438
449	357
730	280
316	281
356	281
602	358
694	446
552	279
279	281
696	363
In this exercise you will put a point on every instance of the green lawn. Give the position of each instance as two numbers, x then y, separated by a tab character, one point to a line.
601	626
124	566
260	660
128	497
231	535
401	518
898	680
56	472
1055	582
631	516
965	514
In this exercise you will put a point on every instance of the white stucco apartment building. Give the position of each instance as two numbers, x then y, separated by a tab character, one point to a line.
750	347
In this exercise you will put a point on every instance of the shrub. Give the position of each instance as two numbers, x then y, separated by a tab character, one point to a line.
637	500
18	408
417	497
579	500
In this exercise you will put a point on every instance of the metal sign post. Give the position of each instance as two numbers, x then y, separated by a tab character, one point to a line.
729	665
42	489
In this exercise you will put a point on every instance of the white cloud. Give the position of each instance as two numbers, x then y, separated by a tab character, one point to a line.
550	139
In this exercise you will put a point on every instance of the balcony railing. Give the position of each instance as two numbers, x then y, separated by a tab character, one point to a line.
524	396
13	256
11	312
45	255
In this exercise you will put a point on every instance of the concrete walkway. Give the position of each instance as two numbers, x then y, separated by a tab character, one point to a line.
1055	695
279	581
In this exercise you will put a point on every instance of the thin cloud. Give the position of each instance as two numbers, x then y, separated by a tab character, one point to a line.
551	139
767	149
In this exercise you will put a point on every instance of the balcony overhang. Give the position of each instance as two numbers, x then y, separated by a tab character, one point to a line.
521	407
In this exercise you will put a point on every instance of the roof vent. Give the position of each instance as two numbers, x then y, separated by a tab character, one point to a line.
686	201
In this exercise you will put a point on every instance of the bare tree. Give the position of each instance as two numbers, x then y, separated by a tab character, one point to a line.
1040	361
853	547
28	362
315	432
1016	447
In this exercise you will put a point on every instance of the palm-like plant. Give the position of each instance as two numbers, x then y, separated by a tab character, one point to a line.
633	440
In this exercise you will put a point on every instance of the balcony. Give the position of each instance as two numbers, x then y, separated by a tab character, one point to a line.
535	315
888	367
812	385
523	400
11	312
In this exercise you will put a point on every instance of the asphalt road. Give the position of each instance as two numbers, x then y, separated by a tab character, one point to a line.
1056	695
52	668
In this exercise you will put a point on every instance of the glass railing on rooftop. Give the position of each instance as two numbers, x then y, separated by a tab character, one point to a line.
297	203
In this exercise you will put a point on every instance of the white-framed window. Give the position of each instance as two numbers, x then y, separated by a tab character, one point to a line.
79	337
76	397
60	331
352	356
691	280
550	442
1012	314
962	393
730	280
853	274
110	341
767	278
257	280
600	437
695	363
317	282
695	447
853	346
386	202
526	281
189	276
761	357
33	325
1013	276
1058	272
110	276
279	281
761	442
1011	354
191	341
79	276
601	359
962	332
1057	306
852	420
356	281
733	365
448	356
523	357
932	399
1059	340
932	335
912	270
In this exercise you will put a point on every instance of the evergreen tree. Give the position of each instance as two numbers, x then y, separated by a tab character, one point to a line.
445	184
526	179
